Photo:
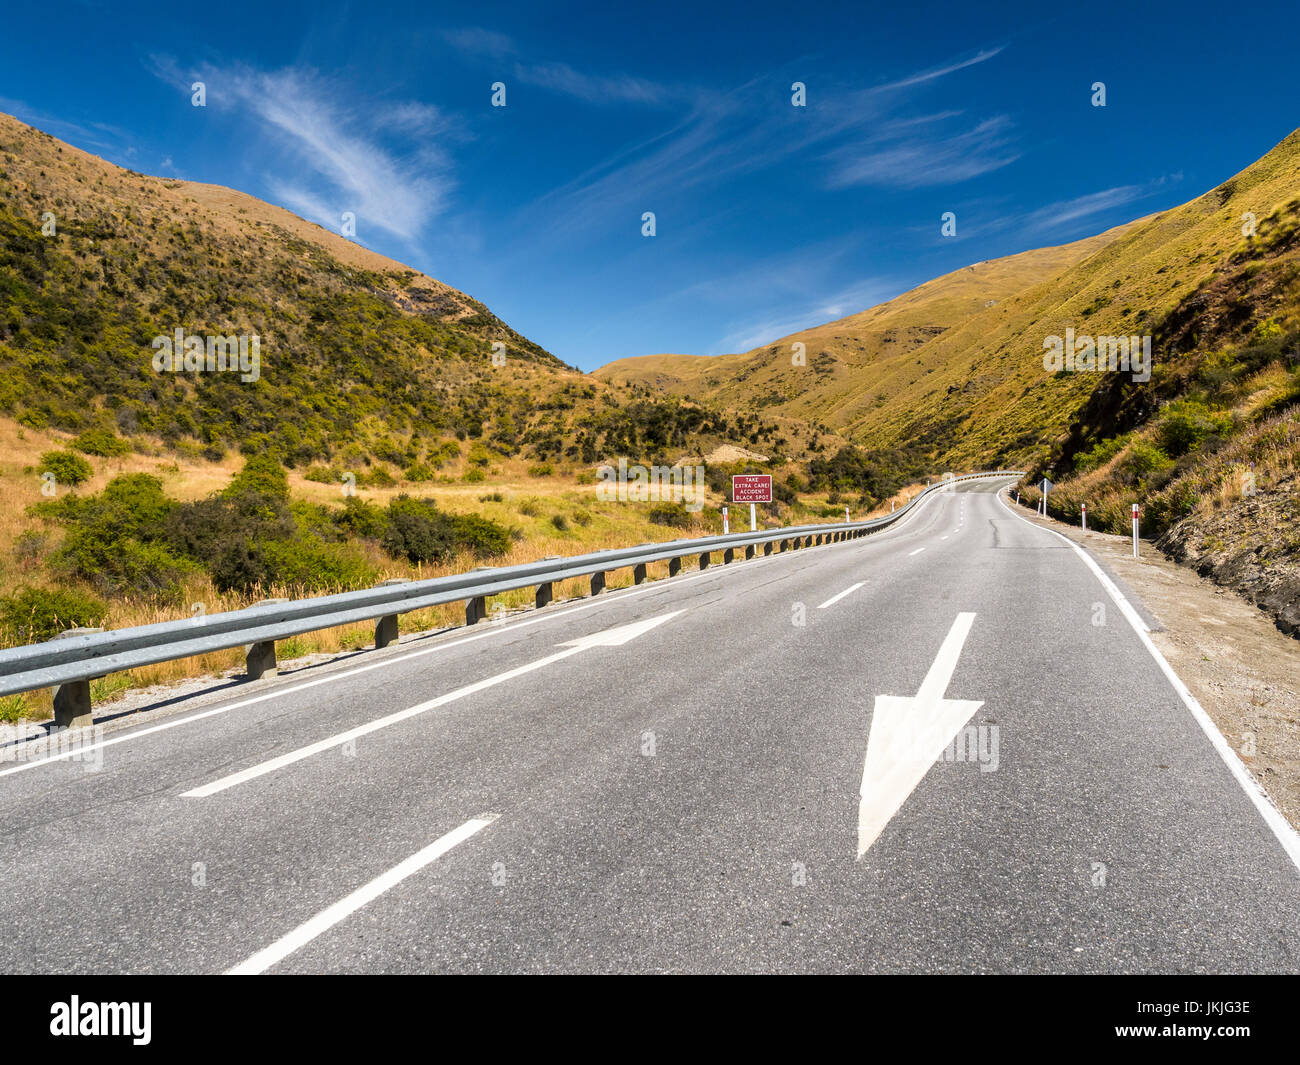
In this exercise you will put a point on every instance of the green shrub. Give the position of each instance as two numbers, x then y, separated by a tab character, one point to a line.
120	565
1101	453
442	454
377	477
263	475
314	566
420	471
323	474
103	442
68	467
1144	462
486	538
560	522
674	515
531	507
542	469
34	614
474	476
418	531
116	540
1182	426
492	497
361	518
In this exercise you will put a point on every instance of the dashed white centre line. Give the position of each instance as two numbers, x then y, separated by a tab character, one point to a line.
916	552
836	598
329	917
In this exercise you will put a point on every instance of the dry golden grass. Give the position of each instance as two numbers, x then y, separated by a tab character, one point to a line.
527	504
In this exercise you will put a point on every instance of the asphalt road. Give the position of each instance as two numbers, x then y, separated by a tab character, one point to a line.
687	800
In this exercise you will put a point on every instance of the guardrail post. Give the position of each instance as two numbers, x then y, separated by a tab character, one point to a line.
259	658
767	548
72	700
728	556
386	627
674	566
597	582
475	610
749	552
545	593
704	560
638	573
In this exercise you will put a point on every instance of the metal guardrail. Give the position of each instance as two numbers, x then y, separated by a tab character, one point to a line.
69	662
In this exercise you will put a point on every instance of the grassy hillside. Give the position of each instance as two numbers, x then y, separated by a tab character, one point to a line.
854	366
956	364
363	360
952	374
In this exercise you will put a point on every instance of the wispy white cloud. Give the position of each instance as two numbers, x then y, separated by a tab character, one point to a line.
851	299
1066	212
912	162
935	73
99	135
474	40
563	78
560	77
753	127
344	146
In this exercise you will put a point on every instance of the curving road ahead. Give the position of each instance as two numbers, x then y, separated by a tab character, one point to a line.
942	748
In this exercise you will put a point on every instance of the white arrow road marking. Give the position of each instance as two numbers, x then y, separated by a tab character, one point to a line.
329	917
609	638
907	735
836	598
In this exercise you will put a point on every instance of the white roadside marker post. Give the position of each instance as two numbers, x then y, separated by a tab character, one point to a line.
1135	530
846	515
753	518
726	525
1083	509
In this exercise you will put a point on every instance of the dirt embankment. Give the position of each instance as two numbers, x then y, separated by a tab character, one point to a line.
1252	548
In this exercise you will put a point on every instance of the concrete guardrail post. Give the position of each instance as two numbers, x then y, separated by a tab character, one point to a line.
475	609
259	658
72	700
386	627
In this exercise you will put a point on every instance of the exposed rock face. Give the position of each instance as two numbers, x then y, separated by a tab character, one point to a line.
1252	548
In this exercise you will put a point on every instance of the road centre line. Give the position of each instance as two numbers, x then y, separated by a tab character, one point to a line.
345	907
836	598
496	629
608	638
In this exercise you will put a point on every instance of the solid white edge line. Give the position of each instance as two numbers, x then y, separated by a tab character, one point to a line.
836	598
1286	835
496	630
345	907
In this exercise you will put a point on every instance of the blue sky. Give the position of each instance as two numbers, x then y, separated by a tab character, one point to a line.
769	217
